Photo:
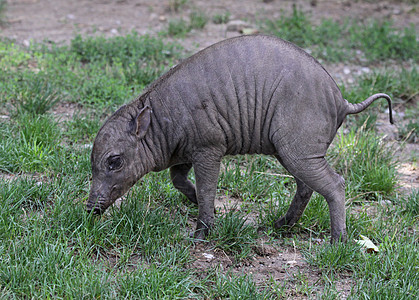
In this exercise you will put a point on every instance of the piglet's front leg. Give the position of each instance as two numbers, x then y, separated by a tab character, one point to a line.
206	174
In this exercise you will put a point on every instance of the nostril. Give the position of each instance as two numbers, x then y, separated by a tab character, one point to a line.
97	211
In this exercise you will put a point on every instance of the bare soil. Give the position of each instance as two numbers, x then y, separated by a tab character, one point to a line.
60	20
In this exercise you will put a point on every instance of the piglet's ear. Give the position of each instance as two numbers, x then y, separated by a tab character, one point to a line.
142	121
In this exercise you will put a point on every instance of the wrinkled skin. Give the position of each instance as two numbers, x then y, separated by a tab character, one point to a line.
115	169
246	95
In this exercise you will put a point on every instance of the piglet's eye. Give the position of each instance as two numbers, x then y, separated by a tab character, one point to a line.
114	163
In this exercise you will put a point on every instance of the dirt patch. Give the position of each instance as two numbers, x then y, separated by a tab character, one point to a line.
269	264
65	111
409	175
59	20
273	265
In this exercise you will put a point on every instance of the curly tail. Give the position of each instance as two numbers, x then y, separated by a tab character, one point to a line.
358	107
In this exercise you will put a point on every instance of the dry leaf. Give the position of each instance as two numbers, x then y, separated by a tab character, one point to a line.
248	31
367	244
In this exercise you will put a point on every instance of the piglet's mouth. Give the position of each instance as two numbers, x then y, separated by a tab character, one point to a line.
97	206
94	209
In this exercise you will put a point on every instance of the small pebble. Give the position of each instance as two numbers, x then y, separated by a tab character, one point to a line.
237	25
208	256
397	11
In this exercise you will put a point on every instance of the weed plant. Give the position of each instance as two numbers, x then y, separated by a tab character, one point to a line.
410	204
233	235
409	130
36	95
364	158
198	19
176	5
32	144
11	57
180	27
335	258
221	18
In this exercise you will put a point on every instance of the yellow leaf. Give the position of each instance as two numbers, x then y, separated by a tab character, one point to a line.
249	31
366	243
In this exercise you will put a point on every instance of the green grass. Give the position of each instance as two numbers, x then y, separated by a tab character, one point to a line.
36	94
229	286
410	204
162	282
31	144
232	235
176	5
391	273
254	178
363	158
94	71
82	127
198	19
335	258
352	40
403	88
401	85
409	131
51	248
221	18
180	27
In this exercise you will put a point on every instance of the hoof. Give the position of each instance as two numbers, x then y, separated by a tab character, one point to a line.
339	238
282	222
193	200
200	234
